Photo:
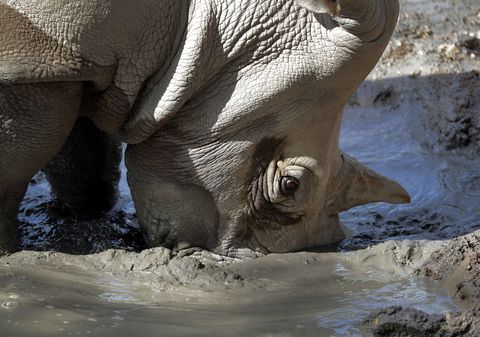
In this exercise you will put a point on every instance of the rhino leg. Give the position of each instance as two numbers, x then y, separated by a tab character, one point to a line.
84	175
9	202
35	120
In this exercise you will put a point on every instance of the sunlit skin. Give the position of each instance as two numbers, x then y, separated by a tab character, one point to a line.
231	112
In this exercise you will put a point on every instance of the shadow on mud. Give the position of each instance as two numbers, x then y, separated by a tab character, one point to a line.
423	132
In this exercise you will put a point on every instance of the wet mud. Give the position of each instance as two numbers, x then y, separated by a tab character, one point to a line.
119	293
409	322
408	270
441	41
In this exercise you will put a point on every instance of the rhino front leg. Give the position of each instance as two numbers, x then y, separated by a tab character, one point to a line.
9	202
84	175
35	120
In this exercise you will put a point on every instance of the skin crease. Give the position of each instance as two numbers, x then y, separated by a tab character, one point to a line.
252	93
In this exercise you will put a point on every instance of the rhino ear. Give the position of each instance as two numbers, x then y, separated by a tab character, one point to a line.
355	184
321	6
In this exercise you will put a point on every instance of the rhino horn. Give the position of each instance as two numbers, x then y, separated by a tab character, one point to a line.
355	184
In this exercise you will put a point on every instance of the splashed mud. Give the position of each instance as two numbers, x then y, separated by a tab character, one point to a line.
415	119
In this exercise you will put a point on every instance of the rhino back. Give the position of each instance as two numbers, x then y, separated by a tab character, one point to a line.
112	46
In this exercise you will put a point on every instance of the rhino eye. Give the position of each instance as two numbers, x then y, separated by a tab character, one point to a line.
289	185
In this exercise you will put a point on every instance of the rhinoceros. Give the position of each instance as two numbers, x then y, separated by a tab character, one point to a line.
231	110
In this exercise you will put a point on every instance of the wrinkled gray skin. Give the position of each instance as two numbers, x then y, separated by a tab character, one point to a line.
231	110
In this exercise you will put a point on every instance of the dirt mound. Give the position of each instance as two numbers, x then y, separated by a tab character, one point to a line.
409	322
457	266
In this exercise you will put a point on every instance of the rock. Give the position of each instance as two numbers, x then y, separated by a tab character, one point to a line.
402	322
409	322
457	265
472	43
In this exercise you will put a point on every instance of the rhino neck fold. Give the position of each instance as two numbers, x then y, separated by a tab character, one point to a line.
213	39
140	122
366	19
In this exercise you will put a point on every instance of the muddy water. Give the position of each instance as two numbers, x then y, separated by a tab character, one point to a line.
304	294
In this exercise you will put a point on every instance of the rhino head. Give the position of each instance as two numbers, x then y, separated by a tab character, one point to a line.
234	147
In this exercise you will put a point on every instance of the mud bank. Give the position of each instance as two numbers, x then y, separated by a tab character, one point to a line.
457	265
162	271
436	51
409	322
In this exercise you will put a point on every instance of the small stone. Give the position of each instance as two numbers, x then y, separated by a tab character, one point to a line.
9	305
